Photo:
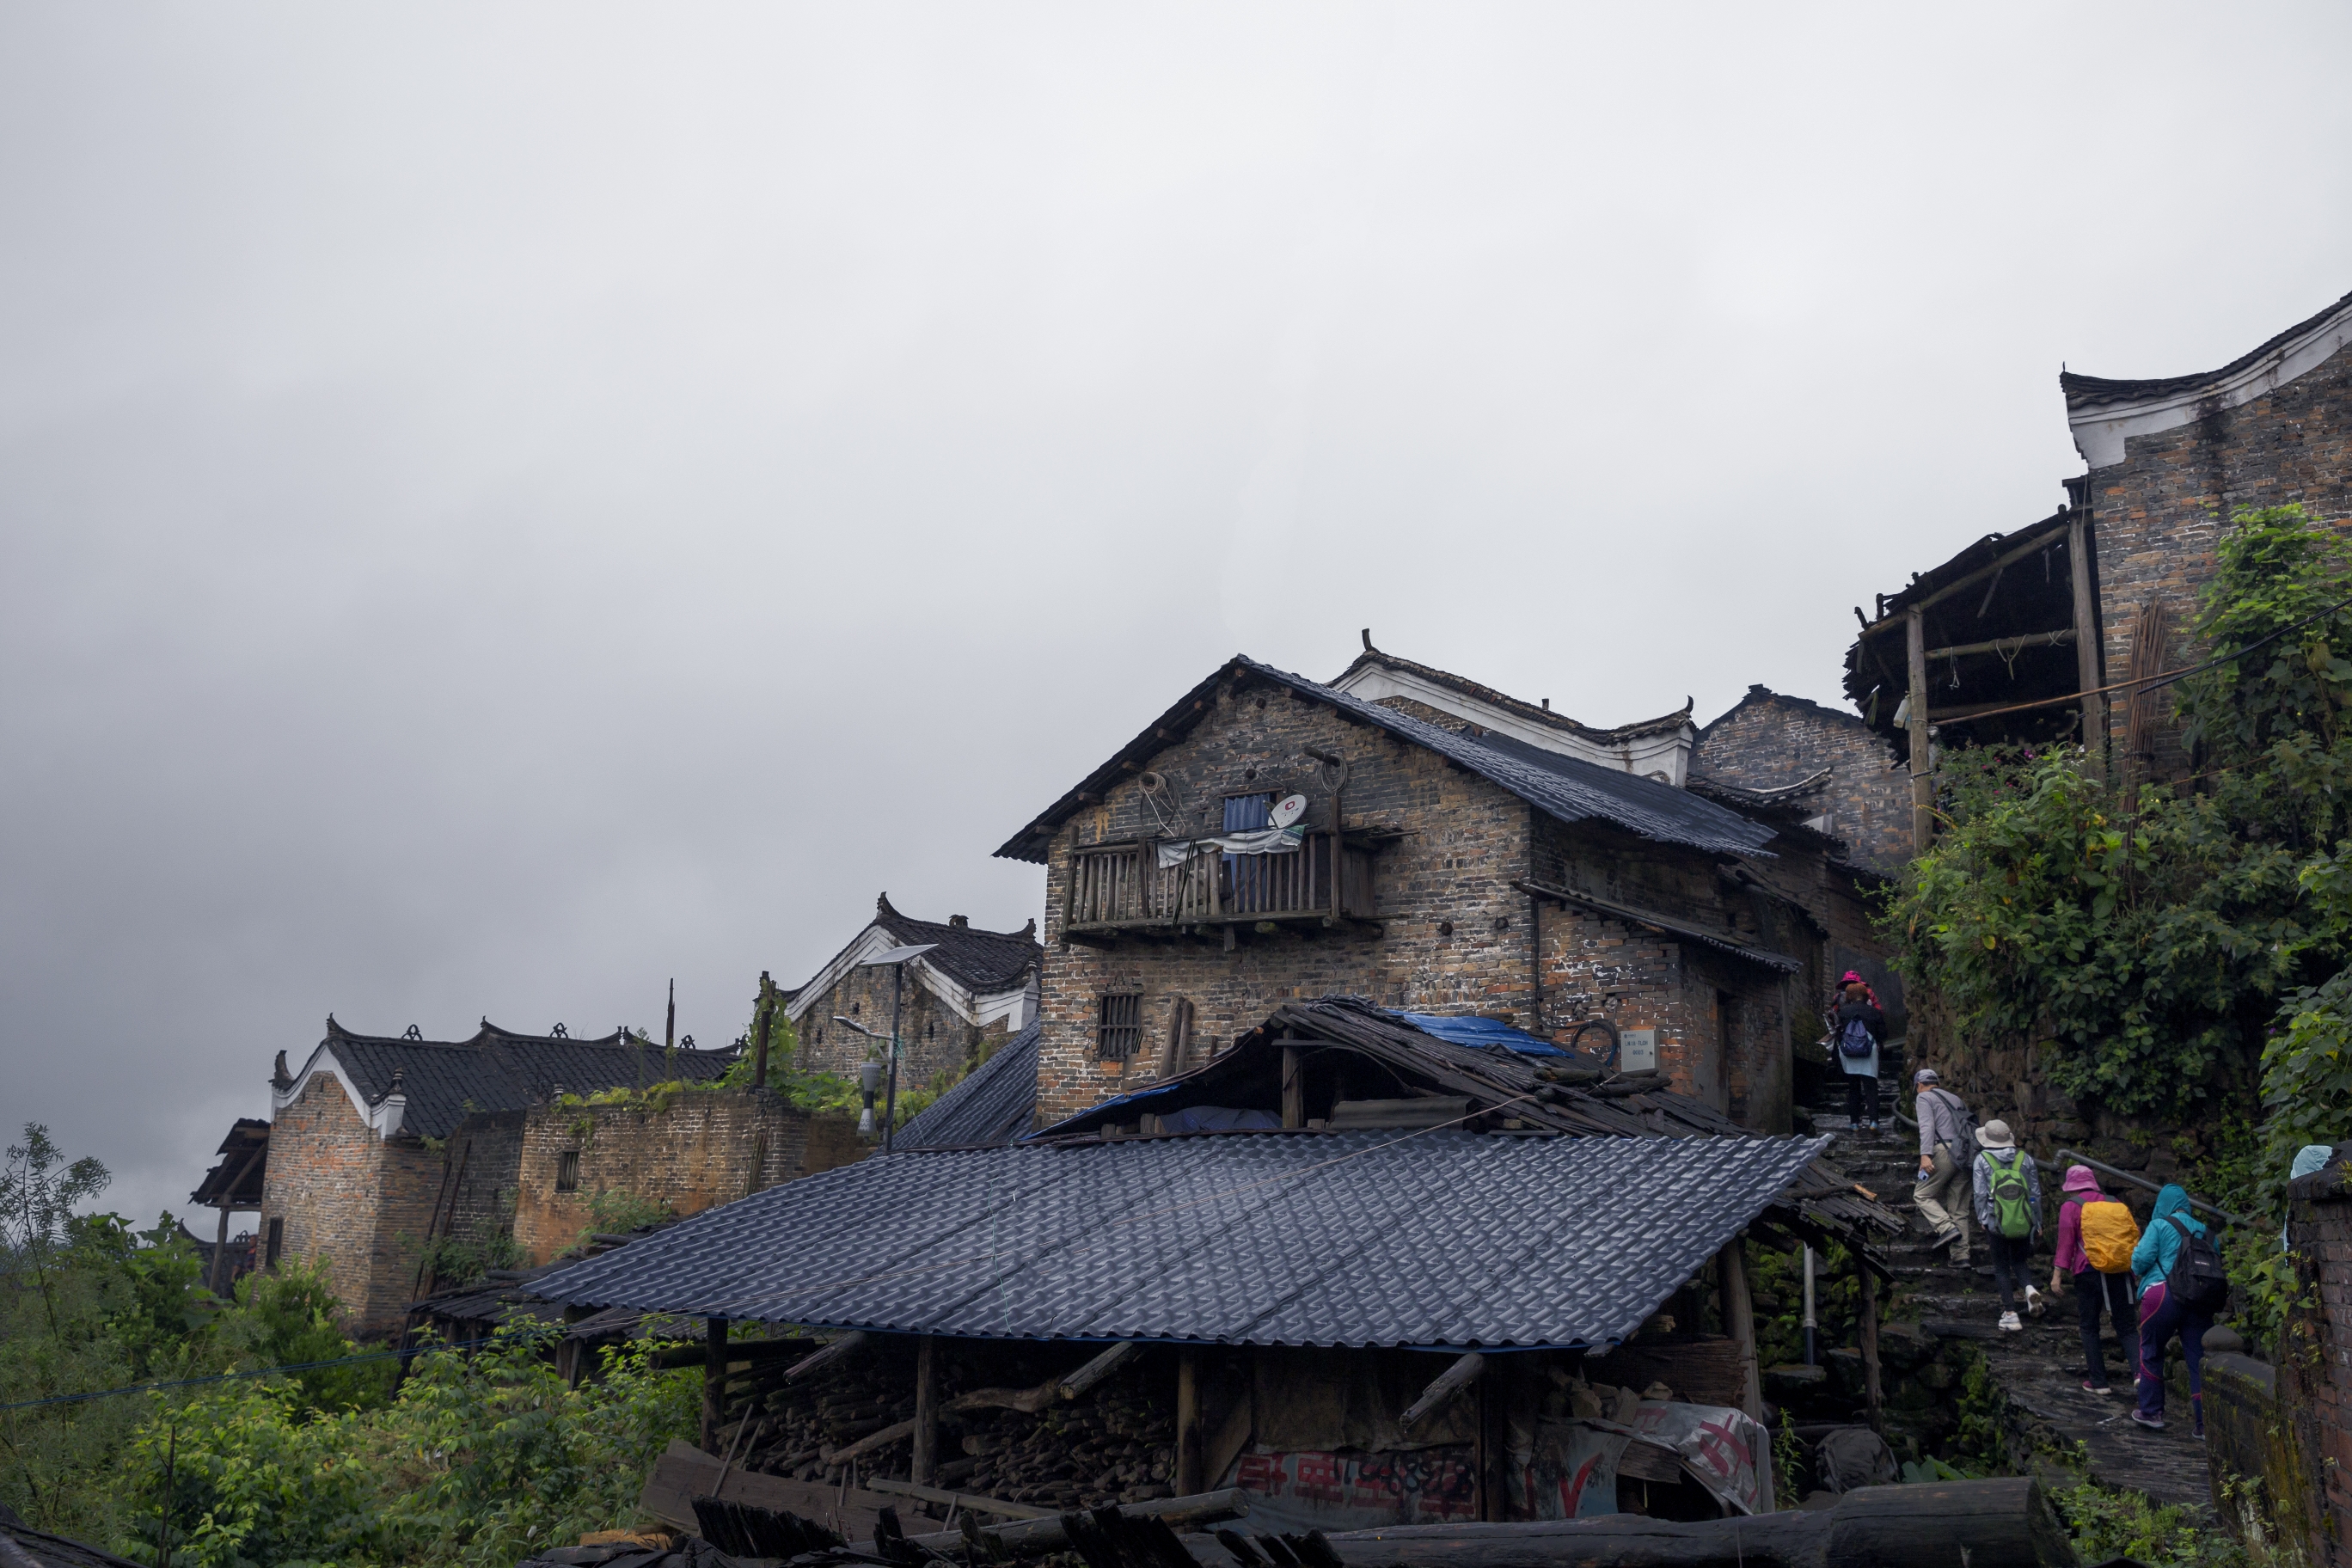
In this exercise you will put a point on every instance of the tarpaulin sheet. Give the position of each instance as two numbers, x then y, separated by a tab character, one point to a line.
1264	841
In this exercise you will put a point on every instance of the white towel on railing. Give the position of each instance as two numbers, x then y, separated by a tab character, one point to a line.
1260	841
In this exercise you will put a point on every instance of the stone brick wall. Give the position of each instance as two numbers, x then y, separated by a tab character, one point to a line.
1769	741
484	1164
703	1149
1455	936
936	1038
2158	512
2307	1473
359	1204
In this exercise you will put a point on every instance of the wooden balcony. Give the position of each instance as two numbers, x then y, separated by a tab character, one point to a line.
1116	889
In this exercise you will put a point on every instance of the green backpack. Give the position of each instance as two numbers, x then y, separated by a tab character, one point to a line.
2013	1201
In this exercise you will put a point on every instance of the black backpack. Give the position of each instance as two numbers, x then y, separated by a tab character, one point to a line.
2197	1281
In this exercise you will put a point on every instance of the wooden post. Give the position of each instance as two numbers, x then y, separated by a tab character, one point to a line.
926	1411
1923	773
1188	1422
1492	1451
220	1250
1294	1095
1871	1400
2086	643
1739	1322
714	1380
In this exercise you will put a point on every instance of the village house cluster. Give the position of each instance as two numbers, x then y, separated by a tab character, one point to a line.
1376	1034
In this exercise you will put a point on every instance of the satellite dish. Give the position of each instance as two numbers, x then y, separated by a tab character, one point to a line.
1289	809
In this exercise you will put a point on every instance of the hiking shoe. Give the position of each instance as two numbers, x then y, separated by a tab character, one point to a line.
2153	1423
2090	1387
2034	1302
2009	1321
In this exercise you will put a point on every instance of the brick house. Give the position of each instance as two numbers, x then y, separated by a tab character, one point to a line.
535	1172
1790	748
2013	638
1477	872
974	990
356	1159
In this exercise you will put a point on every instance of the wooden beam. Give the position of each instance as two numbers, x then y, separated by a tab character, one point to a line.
1923	777
2058	639
1739	1321
1449	1383
1294	1093
925	1463
2086	644
963	1500
714	1380
1189	1444
826	1357
1095	1371
897	1432
2031	547
1036	1538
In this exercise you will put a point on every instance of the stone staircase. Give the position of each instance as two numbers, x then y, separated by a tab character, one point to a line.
2039	1369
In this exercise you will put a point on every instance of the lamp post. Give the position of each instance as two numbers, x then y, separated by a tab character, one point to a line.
895	958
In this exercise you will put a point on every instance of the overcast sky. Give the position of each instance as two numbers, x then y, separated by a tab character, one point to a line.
505	505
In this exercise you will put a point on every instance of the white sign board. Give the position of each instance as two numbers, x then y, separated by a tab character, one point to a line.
1637	1050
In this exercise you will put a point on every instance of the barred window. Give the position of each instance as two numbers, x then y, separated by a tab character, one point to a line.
1119	1025
567	1171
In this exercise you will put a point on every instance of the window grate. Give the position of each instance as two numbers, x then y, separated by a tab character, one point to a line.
567	1171
1119	1025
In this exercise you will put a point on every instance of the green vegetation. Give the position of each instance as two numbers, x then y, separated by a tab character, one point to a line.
471	1460
2181	956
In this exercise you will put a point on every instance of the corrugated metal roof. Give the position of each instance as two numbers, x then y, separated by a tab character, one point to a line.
1357	1238
994	1105
1567	788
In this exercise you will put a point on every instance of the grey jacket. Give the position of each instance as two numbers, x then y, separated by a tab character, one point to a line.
1939	1122
1983	1177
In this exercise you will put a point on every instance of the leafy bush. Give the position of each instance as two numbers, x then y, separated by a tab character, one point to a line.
477	1460
2108	1524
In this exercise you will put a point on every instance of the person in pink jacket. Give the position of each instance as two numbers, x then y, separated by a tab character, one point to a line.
2091	1287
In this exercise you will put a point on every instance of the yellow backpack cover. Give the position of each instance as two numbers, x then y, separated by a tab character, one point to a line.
2109	1234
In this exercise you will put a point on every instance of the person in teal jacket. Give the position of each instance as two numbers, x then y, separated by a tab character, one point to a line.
2161	1316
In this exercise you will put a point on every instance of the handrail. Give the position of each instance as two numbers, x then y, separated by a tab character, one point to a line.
2194	1201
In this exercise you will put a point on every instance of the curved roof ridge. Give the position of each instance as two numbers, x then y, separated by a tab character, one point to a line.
1600	734
2096	391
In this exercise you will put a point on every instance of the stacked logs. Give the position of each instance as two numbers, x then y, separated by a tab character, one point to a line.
1114	1444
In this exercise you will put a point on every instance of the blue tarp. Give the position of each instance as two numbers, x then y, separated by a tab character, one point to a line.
1479	1033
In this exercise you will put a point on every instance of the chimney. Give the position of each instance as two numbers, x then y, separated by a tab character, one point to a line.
396	1104
960	922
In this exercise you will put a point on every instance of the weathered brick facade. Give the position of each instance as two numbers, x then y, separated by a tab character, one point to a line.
2306	1452
1769	741
347	1199
1454	927
974	990
2261	432
700	1150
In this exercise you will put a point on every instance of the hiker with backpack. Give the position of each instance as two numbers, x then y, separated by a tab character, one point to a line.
2008	1206
2181	1286
1856	1028
1947	1151
2096	1238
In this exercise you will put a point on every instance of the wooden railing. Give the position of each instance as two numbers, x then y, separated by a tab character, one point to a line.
1124	885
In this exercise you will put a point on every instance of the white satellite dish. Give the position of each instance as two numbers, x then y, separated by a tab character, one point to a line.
1289	809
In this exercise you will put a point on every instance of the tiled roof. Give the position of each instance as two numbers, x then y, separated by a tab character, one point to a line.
499	1070
1758	693
245	1161
994	1105
1434	1239
1665	724
982	959
1566	788
2100	391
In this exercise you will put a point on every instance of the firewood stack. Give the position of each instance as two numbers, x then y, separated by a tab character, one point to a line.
1114	1444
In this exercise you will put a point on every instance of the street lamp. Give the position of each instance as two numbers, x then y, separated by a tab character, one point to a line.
895	958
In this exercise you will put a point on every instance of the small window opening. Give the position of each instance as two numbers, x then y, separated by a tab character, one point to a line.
567	1171
275	1244
1118	1027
